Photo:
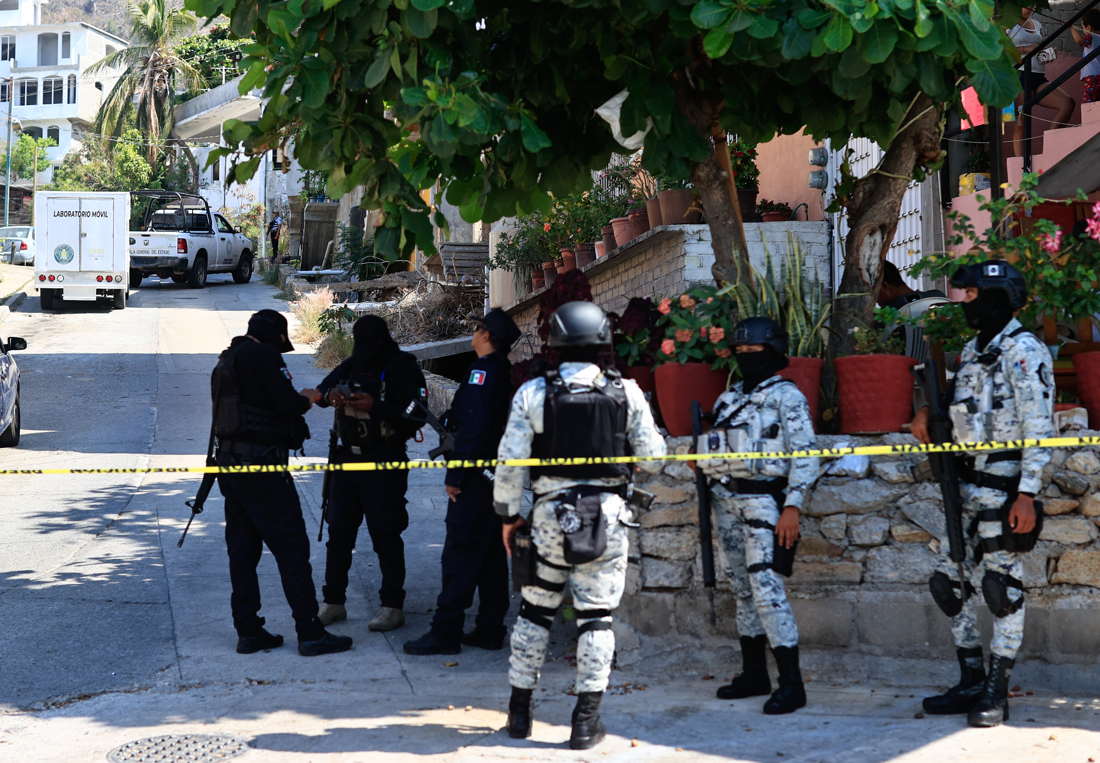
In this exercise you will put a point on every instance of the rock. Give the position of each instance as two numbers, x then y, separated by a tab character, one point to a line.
660	573
633	579
868	531
678	544
1034	571
678	470
910	534
1071	531
669	517
633	547
1071	483
1078	567
894	471
856	497
1073	420
856	467
835	527
1057	506
1051	491
900	564
924	491
679	446
1083	462
1090	505
928	516
826	573
814	546
667	494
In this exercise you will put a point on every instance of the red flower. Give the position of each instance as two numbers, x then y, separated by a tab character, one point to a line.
683	335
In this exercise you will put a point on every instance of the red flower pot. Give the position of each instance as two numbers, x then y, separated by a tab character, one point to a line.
774	217
876	393
678	384
653	209
639	221
607	232
537	280
601	249
806	375
1087	365
1059	407
643	375
549	272
585	253
624	231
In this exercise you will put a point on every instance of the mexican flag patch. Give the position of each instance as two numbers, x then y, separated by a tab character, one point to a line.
477	377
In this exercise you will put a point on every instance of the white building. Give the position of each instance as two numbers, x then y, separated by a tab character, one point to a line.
43	77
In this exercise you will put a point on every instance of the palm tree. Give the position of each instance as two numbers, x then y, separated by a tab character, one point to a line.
151	73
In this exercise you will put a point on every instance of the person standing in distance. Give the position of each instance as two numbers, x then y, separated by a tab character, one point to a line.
473	556
756	505
576	410
1004	390
372	388
258	420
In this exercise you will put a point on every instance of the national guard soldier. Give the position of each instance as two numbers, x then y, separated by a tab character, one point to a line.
258	421
1004	390
473	556
577	525
372	388
756	504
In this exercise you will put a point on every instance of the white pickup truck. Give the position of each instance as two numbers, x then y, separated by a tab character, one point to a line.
180	238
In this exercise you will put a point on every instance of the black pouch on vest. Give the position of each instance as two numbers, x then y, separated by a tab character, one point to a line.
783	558
581	520
524	559
1020	543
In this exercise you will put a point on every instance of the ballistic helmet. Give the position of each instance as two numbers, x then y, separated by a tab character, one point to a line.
579	324
993	275
761	331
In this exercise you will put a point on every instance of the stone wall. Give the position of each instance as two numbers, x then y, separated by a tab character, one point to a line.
670	258
870	537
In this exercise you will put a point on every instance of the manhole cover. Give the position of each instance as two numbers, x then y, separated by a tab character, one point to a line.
178	748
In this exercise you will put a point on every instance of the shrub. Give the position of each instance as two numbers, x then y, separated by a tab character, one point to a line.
308	310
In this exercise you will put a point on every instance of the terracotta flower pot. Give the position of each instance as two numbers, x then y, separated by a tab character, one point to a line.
608	233
1059	407
876	393
675	206
653	209
678	384
567	262
774	217
1087	365
643	375
549	272
585	253
538	281
624	231
639	222
747	201
806	374
600	248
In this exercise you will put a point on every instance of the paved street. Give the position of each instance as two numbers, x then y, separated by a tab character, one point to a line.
109	633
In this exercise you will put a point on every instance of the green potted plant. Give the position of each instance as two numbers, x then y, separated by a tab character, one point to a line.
773	211
746	177
678	204
637	339
875	385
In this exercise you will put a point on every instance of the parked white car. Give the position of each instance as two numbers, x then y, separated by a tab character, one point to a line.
9	392
17	244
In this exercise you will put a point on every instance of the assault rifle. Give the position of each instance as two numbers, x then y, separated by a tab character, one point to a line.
205	487
945	466
326	481
702	487
446	437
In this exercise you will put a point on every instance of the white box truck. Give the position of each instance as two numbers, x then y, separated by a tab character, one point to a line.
83	250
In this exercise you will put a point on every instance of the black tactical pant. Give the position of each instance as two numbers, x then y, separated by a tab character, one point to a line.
474	559
259	509
379	497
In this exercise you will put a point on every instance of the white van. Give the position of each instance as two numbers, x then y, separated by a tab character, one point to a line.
83	250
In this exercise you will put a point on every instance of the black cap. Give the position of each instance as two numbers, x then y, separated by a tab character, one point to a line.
499	325
270	327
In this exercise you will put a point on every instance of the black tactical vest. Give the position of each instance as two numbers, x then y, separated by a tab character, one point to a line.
370	432
232	416
585	423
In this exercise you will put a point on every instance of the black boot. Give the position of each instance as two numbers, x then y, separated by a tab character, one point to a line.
520	710
992	706
791	693
258	642
753	681
961	697
587	729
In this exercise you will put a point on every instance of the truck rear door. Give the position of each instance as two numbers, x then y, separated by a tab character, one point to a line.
97	234
61	235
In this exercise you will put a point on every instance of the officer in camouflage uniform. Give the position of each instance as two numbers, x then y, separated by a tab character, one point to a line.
588	411
761	413
1004	390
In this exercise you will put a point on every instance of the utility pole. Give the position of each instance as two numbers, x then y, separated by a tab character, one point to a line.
7	180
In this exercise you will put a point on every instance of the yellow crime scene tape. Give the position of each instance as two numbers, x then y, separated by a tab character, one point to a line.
372	466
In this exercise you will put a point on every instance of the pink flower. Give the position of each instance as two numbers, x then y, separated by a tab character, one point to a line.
1050	243
1096	210
723	353
668	347
546	228
665	307
711	299
1093	227
717	333
686	302
683	335
703	332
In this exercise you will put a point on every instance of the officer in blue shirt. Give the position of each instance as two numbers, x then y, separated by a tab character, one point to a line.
474	559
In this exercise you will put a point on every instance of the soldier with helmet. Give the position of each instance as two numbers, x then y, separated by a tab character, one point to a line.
1004	390
756	505
577	525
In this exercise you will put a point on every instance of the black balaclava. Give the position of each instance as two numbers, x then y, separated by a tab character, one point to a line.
756	367
989	313
373	342
269	327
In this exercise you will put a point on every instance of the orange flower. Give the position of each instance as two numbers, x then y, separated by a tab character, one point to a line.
717	333
665	307
723	353
668	347
703	332
686	302
683	335
546	228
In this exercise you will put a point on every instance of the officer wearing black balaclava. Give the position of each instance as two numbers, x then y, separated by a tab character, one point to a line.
258	421
371	390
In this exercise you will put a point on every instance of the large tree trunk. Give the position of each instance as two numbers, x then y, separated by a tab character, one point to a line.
873	210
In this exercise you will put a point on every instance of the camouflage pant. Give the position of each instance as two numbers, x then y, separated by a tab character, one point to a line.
596	585
746	538
1008	632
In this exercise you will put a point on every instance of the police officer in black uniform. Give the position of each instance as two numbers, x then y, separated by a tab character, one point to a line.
258	420
474	559
372	388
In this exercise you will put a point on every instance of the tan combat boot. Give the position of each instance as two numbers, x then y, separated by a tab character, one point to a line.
331	613
387	619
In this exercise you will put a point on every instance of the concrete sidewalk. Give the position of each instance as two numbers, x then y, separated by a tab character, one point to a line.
15	283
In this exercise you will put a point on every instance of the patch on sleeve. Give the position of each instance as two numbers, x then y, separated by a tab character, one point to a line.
477	377
286	373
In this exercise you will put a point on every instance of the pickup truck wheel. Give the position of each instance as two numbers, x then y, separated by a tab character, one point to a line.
9	438
178	278
45	296
120	299
196	277
243	271
135	278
